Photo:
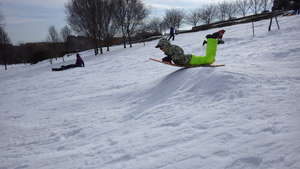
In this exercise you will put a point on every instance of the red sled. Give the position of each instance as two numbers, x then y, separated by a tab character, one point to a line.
172	64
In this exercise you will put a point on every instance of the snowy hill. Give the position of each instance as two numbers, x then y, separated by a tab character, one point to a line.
123	111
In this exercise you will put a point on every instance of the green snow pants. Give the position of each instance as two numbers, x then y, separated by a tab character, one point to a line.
211	50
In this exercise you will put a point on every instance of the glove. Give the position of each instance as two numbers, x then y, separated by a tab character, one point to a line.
167	59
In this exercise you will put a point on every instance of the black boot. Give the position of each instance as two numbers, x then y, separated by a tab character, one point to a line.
167	59
220	41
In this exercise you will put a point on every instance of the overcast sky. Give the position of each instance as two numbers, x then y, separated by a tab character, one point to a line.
29	20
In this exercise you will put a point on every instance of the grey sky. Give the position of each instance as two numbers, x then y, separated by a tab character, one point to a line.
29	20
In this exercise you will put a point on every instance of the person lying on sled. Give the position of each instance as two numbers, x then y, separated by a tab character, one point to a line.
176	54
79	63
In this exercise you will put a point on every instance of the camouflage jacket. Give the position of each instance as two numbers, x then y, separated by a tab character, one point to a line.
175	52
177	55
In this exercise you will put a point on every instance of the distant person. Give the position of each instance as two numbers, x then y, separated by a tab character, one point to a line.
79	63
172	33
297	8
176	54
217	35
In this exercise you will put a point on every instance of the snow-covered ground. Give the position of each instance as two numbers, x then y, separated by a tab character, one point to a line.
123	111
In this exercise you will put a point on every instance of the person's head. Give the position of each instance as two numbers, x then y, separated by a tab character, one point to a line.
77	55
163	44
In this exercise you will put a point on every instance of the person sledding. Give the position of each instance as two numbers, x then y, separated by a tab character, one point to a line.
79	63
176	54
217	35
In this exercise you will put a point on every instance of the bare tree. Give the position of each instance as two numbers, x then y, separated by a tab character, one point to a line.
4	44
154	25
226	10
255	6
65	33
120	14
109	22
243	6
193	17
129	14
53	38
53	35
136	13
222	8
266	4
1	19
82	17
163	26
231	10
174	18
208	13
99	13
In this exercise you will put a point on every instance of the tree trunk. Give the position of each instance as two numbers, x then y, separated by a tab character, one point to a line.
253	28
101	50
96	51
129	38
5	62
107	47
96	47
124	41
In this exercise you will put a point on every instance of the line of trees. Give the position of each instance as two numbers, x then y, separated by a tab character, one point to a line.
221	11
225	10
101	20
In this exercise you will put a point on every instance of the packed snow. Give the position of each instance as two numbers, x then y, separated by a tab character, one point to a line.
123	111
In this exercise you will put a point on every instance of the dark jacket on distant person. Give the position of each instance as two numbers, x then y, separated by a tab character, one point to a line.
79	61
172	33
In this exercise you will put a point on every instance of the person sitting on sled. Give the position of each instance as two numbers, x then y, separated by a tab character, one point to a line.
218	35
79	63
176	54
